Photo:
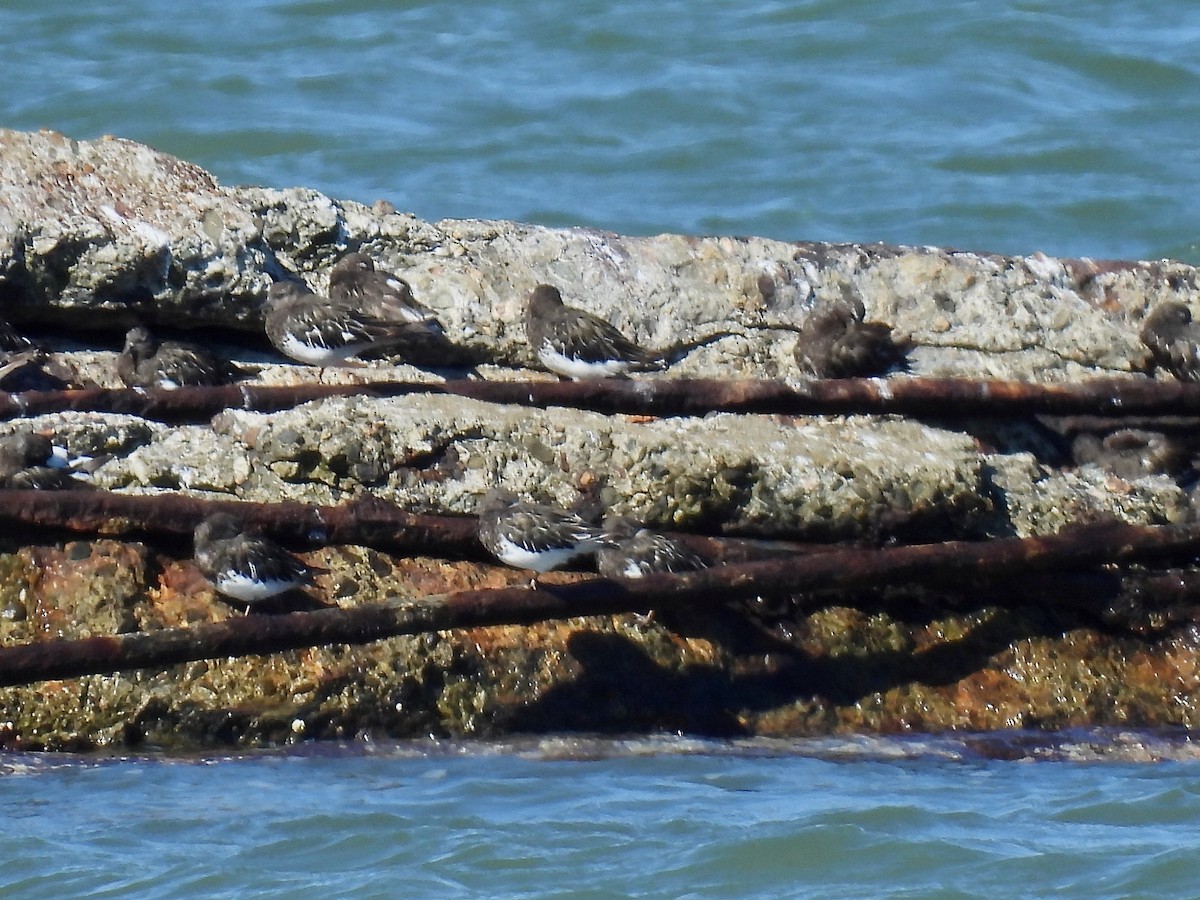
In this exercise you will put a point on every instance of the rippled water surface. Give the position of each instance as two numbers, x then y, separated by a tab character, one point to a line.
666	821
1006	126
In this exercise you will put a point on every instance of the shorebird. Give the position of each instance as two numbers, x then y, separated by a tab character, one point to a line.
243	565
1173	339
31	461
26	366
150	363
835	342
534	536
11	340
576	344
640	552
33	369
354	280
319	331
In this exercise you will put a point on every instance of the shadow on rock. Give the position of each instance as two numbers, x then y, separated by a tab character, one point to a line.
621	687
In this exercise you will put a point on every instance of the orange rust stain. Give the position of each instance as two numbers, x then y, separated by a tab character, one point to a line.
58	581
183	597
980	694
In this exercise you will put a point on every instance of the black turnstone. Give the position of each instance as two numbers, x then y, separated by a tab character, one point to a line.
33	369
245	566
318	331
533	536
576	344
12	341
149	363
1173	339
26	366
355	281
31	461
641	552
835	342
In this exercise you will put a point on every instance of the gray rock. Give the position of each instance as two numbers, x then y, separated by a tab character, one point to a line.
95	235
98	233
104	231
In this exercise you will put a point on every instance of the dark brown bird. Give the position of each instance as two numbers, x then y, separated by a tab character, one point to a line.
640	552
245	566
1173	339
11	340
33	369
355	280
319	331
150	363
835	342
26	366
31	461
576	344
534	536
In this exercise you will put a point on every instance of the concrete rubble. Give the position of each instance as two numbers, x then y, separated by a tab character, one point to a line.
98	235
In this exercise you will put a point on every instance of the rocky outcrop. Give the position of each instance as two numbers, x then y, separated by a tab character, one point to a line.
98	235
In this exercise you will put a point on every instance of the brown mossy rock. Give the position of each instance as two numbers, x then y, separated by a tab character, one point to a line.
75	590
893	662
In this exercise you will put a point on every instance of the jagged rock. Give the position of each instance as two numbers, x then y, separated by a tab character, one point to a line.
95	235
103	232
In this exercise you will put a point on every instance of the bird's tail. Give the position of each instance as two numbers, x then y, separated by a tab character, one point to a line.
674	353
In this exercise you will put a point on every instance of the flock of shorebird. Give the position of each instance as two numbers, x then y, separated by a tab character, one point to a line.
368	310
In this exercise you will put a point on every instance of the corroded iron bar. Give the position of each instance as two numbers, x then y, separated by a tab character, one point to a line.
930	397
947	563
954	562
366	521
192	403
937	397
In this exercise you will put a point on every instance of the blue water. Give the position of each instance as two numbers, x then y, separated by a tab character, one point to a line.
1008	126
431	822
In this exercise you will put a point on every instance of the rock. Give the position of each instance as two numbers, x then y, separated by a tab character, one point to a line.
100	232
103	232
97	235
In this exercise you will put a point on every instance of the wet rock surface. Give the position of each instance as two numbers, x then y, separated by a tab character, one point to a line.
96	236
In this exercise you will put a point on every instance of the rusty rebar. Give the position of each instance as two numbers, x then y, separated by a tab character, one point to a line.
951	563
366	520
929	397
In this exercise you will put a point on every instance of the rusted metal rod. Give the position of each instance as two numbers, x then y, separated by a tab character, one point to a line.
190	404
936	397
366	521
951	563
1111	593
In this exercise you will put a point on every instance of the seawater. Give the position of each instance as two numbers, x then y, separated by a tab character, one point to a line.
1003	126
1016	127
662	818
